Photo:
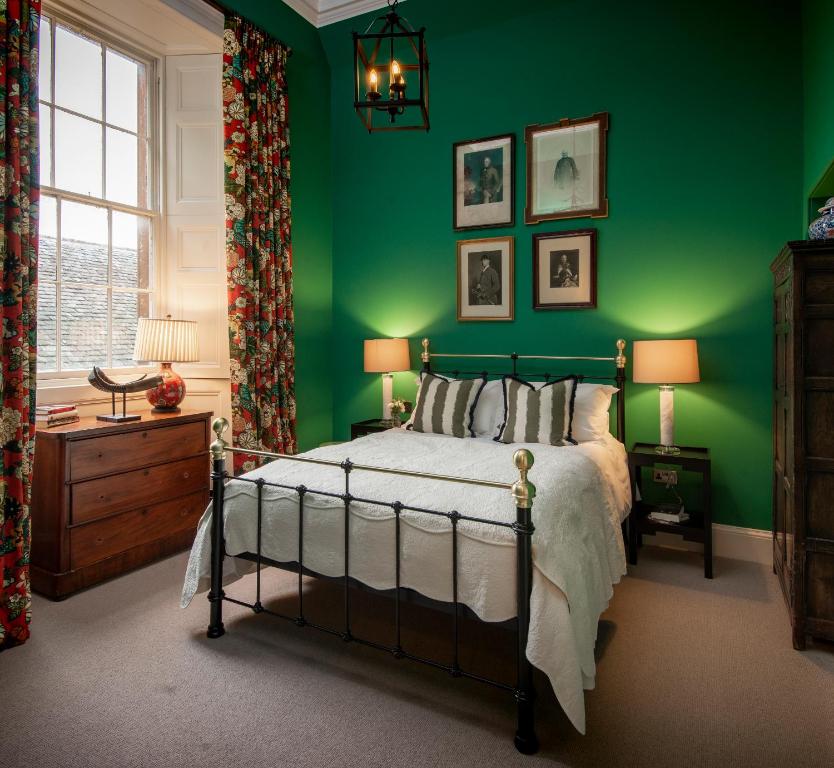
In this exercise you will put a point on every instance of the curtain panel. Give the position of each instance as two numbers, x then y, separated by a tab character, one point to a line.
258	250
19	168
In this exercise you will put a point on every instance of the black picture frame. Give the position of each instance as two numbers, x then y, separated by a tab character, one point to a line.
560	262
472	215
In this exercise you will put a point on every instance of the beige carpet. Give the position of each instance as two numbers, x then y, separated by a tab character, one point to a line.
691	673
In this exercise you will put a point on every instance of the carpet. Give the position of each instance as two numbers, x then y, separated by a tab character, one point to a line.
690	673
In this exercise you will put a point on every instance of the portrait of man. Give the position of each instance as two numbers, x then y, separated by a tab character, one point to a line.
564	269
483	177
485	278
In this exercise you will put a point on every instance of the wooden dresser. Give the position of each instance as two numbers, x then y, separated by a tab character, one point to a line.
803	435
107	498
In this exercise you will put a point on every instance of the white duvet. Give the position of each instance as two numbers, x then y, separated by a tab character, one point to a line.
582	496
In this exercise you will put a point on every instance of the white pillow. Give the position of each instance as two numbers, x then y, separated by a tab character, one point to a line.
489	410
590	410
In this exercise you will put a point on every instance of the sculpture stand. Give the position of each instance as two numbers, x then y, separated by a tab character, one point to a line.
116	417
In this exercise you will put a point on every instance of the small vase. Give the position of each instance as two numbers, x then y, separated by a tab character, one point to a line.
823	227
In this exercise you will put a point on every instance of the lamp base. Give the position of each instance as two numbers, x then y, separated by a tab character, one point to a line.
667	450
167	397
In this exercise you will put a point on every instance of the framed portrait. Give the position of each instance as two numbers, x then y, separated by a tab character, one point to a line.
486	281
566	169
483	188
565	270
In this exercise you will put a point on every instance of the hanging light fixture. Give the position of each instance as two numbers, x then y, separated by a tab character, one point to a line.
391	89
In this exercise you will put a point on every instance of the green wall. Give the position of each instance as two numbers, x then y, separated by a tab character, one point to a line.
818	97
705	175
308	77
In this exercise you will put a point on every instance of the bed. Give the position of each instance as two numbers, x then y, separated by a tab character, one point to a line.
432	515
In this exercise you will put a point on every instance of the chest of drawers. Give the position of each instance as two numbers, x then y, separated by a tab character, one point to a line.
107	498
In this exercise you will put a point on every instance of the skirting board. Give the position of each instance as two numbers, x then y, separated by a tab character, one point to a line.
727	541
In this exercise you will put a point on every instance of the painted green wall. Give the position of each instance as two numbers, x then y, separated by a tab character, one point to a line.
705	174
818	95
308	77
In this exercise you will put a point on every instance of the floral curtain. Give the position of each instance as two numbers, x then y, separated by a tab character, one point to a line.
19	193
258	252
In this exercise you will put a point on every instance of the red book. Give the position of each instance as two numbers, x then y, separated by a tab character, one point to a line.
50	409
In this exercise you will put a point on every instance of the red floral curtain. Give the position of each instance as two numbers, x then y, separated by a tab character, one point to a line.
20	20
258	252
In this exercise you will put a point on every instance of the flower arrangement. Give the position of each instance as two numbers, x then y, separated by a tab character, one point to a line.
396	406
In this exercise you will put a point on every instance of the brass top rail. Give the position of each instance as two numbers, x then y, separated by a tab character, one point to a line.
528	357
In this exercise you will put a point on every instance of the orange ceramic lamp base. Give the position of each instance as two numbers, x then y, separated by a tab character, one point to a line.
166	398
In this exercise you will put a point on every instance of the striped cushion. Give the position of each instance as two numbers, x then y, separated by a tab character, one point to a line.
542	415
444	406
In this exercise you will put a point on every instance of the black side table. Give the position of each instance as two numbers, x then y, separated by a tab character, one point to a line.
367	427
698	527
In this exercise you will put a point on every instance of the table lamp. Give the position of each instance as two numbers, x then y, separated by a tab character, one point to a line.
666	362
166	341
386	356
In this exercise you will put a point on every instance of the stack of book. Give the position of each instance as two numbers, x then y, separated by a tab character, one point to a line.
669	513
53	415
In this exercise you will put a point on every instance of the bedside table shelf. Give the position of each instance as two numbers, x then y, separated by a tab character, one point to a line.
699	526
368	427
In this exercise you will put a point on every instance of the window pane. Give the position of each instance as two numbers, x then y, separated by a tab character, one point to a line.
131	250
45	69
47	327
77	154
45	144
83	243
77	73
83	328
127	308
48	232
122	183
122	91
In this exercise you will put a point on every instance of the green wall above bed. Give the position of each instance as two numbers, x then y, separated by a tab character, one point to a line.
705	176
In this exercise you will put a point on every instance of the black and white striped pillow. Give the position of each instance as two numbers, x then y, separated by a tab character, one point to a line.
444	406
543	415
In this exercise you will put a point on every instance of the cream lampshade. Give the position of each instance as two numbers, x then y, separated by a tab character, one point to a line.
386	356
166	341
666	362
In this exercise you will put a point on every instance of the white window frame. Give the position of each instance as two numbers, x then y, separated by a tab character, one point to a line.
154	210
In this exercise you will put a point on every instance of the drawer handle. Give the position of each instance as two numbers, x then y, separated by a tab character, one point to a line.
146	472
186	475
101	455
144	434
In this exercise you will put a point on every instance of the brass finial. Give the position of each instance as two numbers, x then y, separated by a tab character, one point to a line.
621	358
523	490
425	354
218	447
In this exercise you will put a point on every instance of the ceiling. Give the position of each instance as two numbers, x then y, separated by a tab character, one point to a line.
322	12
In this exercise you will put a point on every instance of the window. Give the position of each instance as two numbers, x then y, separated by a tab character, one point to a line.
96	260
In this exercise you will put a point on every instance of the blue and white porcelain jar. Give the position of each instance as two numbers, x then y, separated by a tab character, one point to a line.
823	227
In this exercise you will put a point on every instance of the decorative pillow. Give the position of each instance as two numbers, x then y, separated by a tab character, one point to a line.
542	415
444	406
590	412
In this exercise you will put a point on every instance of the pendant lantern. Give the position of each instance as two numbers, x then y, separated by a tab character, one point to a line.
391	83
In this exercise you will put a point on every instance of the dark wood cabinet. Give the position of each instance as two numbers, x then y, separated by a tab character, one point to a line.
107	498
368	427
803	435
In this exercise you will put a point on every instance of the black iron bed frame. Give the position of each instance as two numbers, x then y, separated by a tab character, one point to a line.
522	491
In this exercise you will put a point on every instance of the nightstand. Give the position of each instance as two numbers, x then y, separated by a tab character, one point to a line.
698	528
367	427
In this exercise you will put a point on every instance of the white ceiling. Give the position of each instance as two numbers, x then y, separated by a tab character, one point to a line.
322	12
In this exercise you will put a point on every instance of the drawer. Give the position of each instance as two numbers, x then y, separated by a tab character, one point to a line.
93	499
96	541
118	453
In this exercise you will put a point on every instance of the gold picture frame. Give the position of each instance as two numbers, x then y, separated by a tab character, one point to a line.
486	279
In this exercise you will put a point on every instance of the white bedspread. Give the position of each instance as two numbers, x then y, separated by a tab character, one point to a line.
582	496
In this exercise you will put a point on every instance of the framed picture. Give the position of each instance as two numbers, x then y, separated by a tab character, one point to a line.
566	169
486	282
483	188
565	270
